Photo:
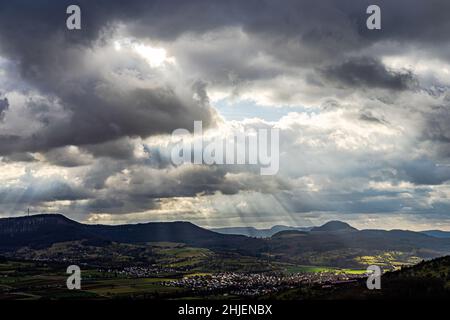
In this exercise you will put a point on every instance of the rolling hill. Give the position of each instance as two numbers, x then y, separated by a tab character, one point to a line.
338	244
437	233
425	280
257	233
334	226
40	231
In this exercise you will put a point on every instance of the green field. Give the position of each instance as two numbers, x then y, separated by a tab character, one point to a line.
318	269
43	280
106	270
126	287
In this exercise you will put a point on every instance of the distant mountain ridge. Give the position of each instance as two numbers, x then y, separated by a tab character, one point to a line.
258	233
335	243
333	226
437	233
46	229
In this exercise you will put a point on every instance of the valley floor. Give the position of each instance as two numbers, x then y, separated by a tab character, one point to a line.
31	280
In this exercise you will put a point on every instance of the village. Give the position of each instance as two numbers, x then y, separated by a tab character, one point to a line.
252	284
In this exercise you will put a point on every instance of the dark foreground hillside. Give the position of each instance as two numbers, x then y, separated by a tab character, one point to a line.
426	280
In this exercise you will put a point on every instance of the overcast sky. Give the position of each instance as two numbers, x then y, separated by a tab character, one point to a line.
364	115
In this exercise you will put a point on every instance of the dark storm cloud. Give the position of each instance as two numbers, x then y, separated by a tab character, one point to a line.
97	174
189	181
369	117
19	157
37	192
98	117
157	159
369	73
423	22
120	204
10	143
105	116
33	34
424	172
68	157
50	58
325	25
141	187
4	105
322	24
436	129
362	201
121	149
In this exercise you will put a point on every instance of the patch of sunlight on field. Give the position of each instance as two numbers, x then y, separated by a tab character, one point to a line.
197	274
322	269
354	271
390	259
